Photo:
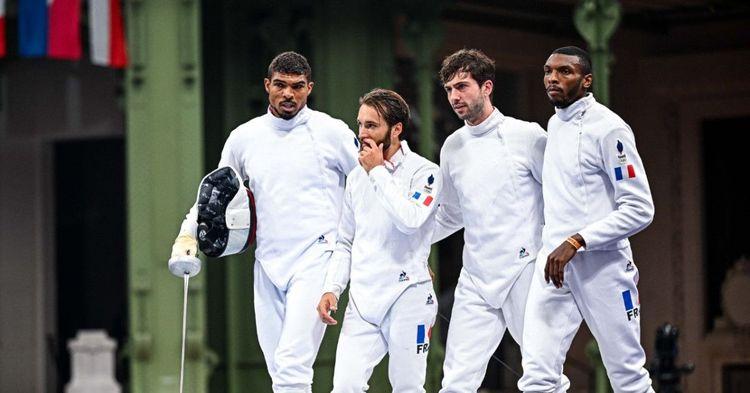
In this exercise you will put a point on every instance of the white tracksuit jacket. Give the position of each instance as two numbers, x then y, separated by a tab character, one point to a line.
296	170
385	232
594	181
492	187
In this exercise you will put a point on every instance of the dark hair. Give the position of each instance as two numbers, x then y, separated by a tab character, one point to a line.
583	57
291	63
389	105
473	61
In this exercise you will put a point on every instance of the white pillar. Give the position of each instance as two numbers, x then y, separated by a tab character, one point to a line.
92	356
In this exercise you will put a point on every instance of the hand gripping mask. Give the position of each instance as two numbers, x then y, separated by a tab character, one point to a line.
226	214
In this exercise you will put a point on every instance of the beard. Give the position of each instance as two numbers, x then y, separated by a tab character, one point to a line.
568	97
564	101
474	111
386	141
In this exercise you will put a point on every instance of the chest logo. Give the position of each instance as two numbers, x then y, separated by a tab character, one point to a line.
403	277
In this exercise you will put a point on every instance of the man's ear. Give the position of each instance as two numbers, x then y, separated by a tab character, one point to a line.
396	130
487	87
587	81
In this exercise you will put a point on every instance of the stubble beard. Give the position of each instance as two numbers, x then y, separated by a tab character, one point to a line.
474	112
570	96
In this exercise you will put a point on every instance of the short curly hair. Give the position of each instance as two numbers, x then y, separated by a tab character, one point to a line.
390	106
291	63
584	59
473	61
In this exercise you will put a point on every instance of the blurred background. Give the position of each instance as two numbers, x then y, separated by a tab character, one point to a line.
110	113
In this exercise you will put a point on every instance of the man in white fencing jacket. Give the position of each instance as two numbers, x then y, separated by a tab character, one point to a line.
384	241
492	169
596	195
294	160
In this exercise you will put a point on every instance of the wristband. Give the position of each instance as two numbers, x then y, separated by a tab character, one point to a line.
574	243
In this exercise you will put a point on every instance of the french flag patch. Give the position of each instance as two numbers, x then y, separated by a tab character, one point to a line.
624	172
421	198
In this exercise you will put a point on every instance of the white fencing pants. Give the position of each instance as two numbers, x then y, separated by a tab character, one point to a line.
289	328
600	288
404	334
476	329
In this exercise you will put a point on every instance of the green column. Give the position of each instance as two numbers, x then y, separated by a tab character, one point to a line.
164	165
352	53
596	21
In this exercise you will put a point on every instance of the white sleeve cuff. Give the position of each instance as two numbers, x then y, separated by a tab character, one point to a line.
335	290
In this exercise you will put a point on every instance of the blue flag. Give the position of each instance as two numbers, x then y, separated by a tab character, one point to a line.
32	28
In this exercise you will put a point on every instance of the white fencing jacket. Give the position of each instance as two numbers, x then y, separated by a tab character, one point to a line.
296	170
594	180
492	187
385	232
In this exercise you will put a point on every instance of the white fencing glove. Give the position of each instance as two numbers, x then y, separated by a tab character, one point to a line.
184	258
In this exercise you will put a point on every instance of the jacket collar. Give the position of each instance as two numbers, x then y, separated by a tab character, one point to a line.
576	109
285	125
394	162
495	119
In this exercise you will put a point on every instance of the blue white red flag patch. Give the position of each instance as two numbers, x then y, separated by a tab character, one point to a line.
421	198
626	172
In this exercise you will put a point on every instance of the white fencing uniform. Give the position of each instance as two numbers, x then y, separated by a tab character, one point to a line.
296	170
594	185
492	188
384	242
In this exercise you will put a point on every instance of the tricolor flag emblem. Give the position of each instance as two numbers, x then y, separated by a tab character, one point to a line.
423	338
624	172
630	309
421	198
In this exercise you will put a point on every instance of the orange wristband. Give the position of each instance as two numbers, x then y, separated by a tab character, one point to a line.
574	243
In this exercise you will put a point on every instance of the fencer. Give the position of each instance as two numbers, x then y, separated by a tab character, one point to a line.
294	160
382	252
596	195
492	172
